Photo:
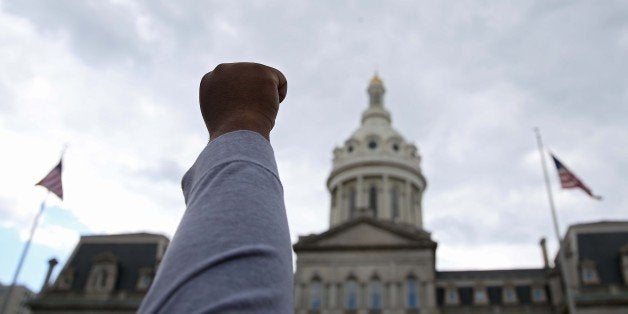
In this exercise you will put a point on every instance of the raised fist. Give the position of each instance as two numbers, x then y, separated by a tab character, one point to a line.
241	96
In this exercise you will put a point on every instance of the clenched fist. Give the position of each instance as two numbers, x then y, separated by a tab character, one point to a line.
241	96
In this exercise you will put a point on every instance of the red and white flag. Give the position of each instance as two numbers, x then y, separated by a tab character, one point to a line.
52	181
568	179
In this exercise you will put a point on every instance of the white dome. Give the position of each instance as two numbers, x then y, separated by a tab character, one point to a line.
376	159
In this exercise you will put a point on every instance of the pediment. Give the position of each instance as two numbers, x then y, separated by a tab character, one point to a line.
366	233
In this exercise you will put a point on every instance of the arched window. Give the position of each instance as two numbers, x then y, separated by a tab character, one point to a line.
394	202
351	294
412	293
353	195
373	200
316	294
375	294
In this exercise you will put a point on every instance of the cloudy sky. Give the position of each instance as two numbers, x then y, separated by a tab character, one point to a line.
466	82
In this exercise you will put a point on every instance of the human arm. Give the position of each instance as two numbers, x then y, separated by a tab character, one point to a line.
231	251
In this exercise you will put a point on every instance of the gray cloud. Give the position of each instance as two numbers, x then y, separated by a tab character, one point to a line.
98	31
165	170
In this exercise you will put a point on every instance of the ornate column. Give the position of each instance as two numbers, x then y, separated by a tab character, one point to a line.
360	192
362	295
407	214
344	206
418	209
393	295
333	296
430	297
386	209
339	206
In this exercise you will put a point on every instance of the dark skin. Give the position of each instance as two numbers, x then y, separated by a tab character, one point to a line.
241	96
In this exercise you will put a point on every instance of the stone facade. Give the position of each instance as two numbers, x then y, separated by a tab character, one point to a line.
365	263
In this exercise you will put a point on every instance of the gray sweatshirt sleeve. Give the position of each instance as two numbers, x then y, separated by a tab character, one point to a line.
231	252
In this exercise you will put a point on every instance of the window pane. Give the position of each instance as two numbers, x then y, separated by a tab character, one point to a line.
373	200
351	294
352	201
375	294
394	202
413	301
315	295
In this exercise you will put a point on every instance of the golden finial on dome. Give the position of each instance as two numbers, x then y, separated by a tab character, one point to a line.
376	79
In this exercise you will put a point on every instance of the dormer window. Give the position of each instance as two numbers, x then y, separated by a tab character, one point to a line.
103	274
509	295
480	296
144	279
65	279
350	148
451	296
372	142
538	294
588	273
395	147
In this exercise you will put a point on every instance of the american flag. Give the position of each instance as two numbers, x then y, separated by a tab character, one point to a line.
52	181
568	179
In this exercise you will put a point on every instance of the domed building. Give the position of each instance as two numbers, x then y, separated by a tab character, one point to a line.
378	258
376	254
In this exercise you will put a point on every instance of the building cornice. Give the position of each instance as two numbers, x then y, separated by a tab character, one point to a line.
370	162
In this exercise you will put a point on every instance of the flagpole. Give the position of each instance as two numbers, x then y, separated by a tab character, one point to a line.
24	252
561	253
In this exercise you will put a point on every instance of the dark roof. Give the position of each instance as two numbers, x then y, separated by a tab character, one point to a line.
536	273
603	249
130	258
131	253
601	223
421	237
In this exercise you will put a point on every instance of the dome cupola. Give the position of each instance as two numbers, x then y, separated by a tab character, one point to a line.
376	172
